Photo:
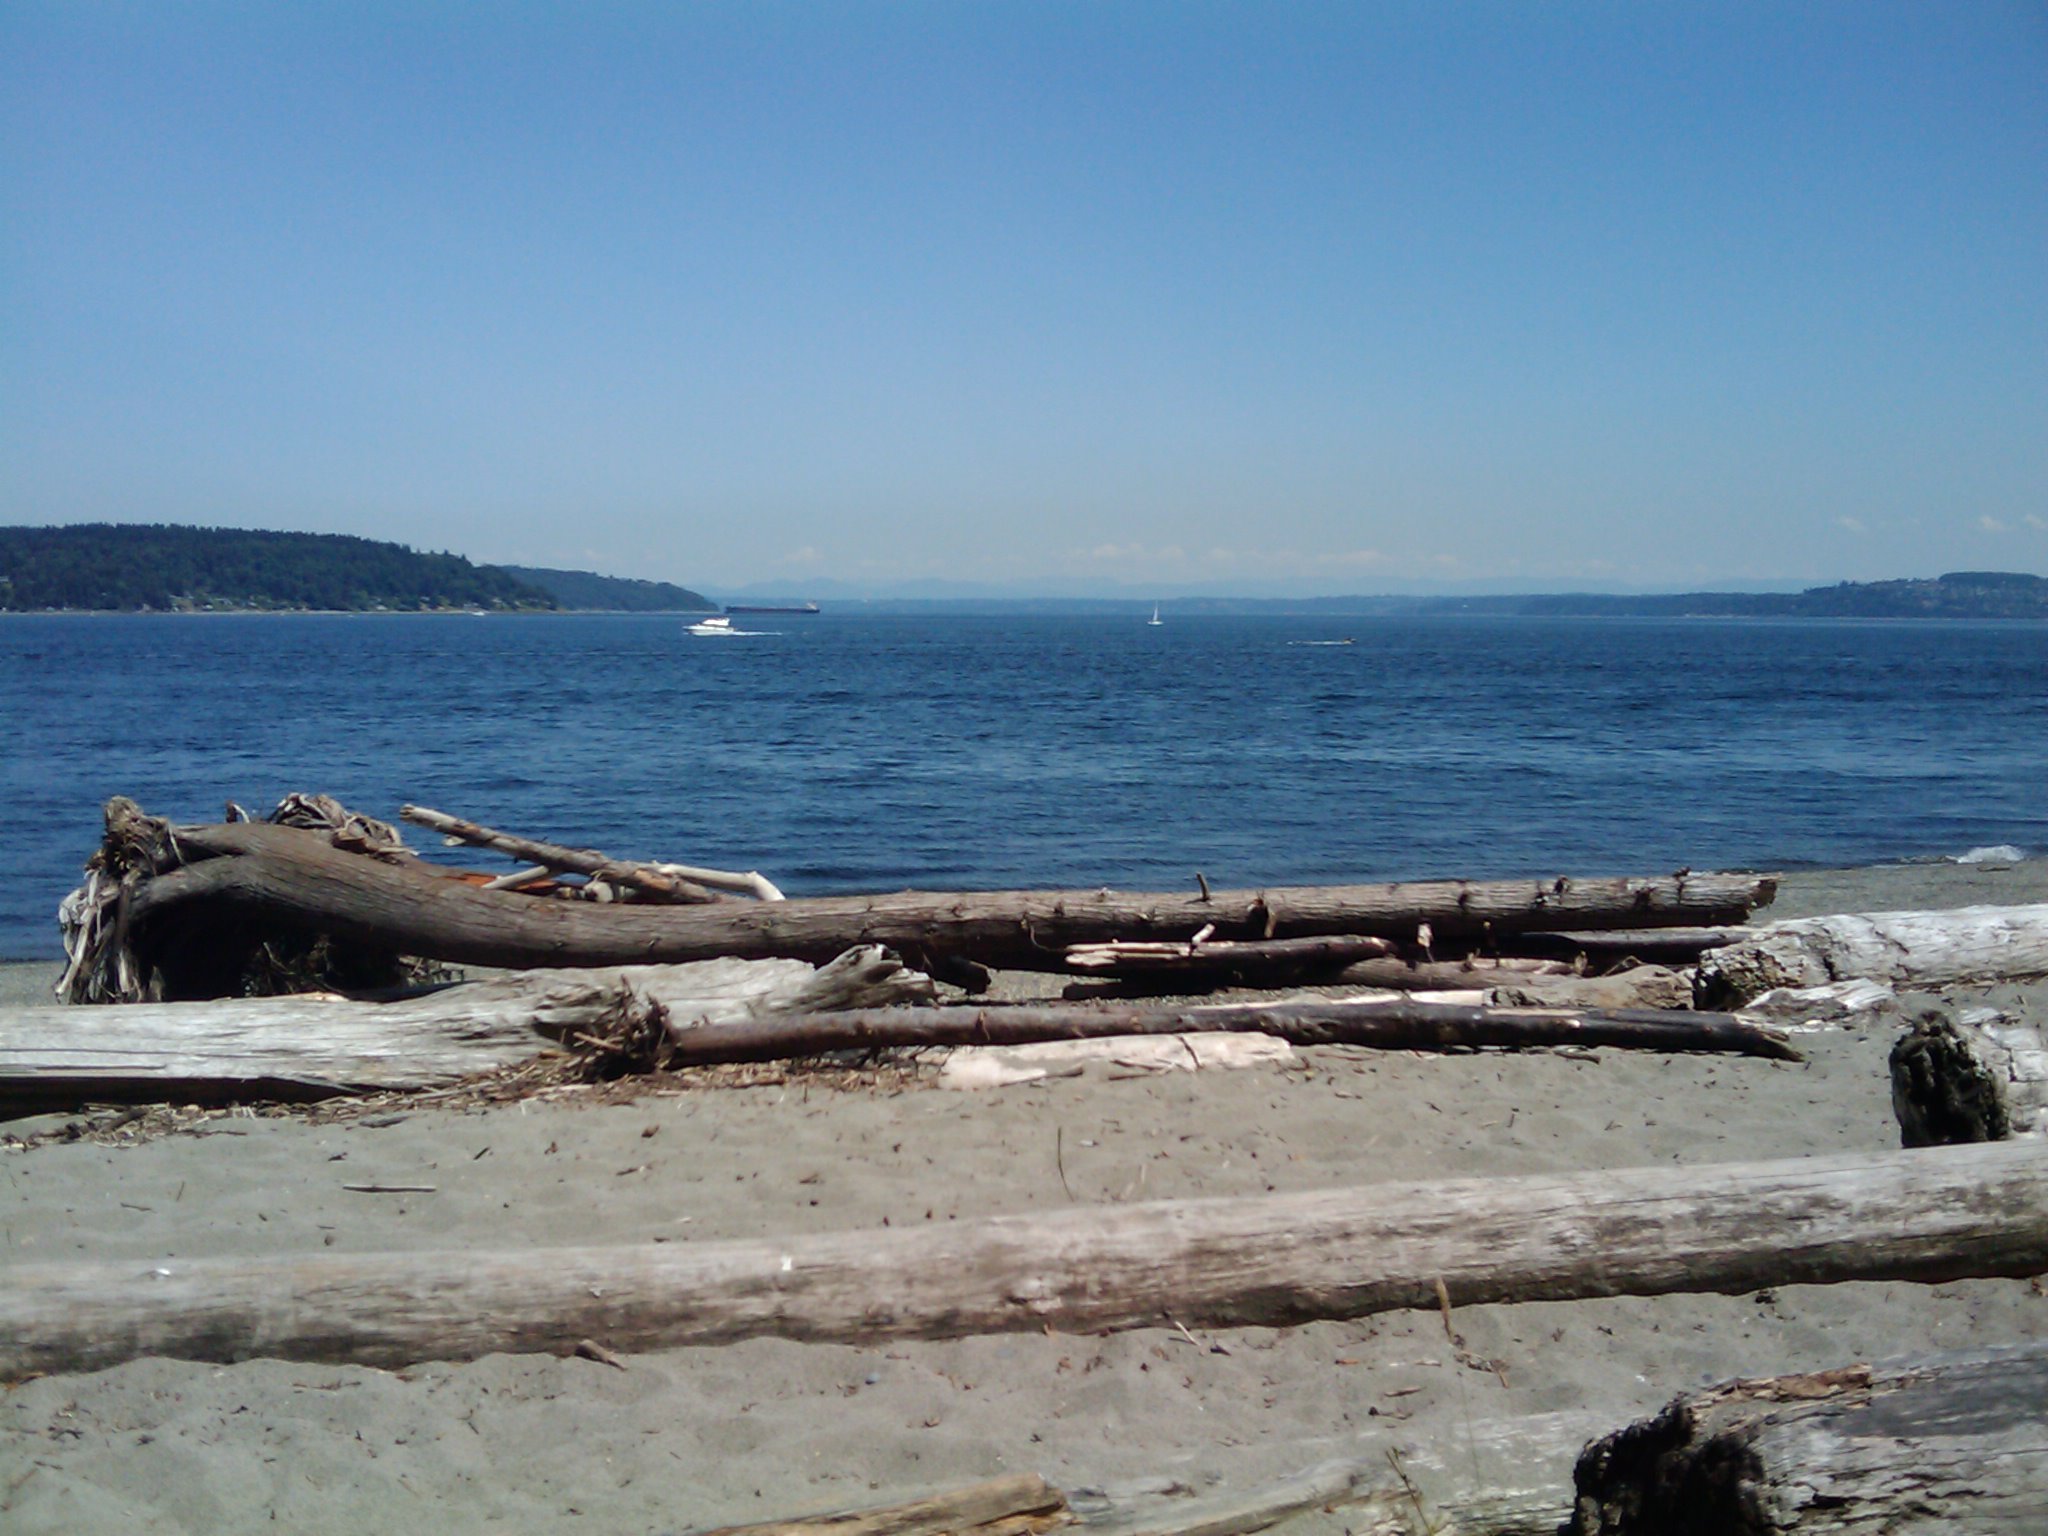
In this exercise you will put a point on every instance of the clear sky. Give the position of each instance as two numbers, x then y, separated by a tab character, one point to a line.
1250	297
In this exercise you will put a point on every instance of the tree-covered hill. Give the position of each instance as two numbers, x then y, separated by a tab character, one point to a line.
144	566
1958	595
615	594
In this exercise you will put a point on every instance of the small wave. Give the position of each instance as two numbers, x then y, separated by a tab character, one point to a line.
1996	853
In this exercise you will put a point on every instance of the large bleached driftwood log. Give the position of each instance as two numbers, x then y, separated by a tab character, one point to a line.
1925	949
1981	1077
258	874
1936	1214
311	1046
1395	1023
1957	1445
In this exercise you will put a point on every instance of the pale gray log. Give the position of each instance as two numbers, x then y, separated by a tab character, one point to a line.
1907	1451
1926	949
1937	1214
309	1045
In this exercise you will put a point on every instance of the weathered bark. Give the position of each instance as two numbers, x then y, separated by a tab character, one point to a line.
1903	948
1656	946
1933	1215
662	882
1944	1446
1643	986
1212	963
1970	1079
1480	972
312	1046
1403	1024
1024	1505
281	876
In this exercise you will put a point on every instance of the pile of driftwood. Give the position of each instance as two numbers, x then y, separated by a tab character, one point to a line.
214	937
198	928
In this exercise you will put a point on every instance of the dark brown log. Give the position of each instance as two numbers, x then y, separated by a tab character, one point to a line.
1940	1214
1213	963
1964	1080
281	876
1945	1446
1659	946
1397	1024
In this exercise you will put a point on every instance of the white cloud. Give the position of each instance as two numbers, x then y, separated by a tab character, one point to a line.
808	555
1992	525
1851	525
2036	520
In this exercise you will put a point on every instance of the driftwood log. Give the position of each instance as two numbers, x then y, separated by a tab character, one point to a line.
1655	946
1024	1505
252	875
1980	1077
1395	1023
1945	1446
1480	972
1200	964
655	882
311	1046
1906	949
1938	1214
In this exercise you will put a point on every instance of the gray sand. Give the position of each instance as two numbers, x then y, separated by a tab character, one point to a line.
768	1429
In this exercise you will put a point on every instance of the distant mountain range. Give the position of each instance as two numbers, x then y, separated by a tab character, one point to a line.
137	567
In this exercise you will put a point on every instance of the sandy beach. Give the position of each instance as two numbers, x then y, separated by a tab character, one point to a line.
768	1429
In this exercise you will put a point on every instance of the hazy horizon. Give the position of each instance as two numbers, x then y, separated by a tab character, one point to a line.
1286	298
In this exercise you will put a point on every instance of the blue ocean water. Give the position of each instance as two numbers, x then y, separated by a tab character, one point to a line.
845	752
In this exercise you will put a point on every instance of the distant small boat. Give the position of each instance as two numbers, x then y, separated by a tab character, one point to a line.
1155	615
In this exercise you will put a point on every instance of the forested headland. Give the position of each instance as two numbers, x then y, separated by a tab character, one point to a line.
1957	595
611	594
141	567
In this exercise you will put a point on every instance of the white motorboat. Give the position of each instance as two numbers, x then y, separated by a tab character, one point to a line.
717	624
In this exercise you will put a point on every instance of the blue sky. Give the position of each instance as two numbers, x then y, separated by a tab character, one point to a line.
1255	298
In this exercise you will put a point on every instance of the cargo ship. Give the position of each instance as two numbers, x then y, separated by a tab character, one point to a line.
771	607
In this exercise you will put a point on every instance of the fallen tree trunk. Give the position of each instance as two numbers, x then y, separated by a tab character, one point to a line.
1970	1079
1932	1215
1483	972
1944	1446
1210	963
1655	946
1397	1023
1924	949
312	1046
282	876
